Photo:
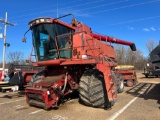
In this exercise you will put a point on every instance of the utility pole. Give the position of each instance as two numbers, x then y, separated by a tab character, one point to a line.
5	44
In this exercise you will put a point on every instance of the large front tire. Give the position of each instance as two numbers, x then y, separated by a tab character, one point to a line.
92	90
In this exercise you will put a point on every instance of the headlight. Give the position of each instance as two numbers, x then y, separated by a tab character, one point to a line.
40	20
37	21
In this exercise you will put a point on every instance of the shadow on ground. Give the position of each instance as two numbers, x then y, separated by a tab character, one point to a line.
150	77
13	95
146	91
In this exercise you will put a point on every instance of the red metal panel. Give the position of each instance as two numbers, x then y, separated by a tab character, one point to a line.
108	80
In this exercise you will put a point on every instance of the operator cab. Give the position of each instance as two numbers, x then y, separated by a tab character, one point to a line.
52	39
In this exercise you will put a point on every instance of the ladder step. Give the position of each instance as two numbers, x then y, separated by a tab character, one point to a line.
90	39
93	49
110	99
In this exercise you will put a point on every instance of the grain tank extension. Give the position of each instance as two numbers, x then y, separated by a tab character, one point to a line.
75	59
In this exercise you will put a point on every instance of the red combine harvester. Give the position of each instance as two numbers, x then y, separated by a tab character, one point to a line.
75	59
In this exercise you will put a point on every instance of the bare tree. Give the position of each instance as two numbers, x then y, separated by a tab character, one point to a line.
150	45
127	57
120	53
16	57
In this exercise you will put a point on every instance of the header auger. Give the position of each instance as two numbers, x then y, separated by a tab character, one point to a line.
75	59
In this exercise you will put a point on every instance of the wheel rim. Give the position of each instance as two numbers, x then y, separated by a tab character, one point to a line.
130	83
121	85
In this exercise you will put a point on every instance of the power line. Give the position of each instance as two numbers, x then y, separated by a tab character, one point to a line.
82	9
92	7
99	6
59	9
119	8
47	6
83	4
114	8
104	5
141	19
136	20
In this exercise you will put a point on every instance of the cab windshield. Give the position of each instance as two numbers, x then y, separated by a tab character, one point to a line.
52	41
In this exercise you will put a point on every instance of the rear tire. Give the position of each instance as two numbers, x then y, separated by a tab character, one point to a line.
146	76
115	82
92	90
120	87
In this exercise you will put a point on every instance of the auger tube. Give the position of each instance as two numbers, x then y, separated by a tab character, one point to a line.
114	40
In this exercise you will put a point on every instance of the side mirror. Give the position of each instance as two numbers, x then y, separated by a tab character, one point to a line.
74	22
23	39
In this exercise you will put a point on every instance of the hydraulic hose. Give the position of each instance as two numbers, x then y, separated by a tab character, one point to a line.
65	83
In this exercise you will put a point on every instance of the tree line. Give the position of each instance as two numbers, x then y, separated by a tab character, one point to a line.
127	57
136	58
14	57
